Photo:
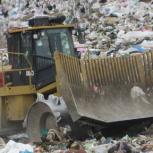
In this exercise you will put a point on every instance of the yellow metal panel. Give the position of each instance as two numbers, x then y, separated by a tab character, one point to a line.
18	106
47	88
17	90
39	28
108	71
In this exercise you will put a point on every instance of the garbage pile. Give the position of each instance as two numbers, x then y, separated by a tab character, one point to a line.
118	28
111	27
139	144
142	143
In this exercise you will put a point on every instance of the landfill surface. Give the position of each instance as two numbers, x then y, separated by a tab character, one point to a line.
53	143
111	28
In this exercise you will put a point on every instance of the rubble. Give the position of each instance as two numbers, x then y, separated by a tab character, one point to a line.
99	144
115	28
116	146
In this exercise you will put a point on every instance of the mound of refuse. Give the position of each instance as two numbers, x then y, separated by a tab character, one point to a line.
110	27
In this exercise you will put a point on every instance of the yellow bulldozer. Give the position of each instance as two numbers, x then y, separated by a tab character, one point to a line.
46	85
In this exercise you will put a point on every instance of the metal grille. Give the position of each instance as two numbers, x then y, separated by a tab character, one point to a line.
109	71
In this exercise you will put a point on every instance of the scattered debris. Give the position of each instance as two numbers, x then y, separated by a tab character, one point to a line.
53	143
13	147
117	28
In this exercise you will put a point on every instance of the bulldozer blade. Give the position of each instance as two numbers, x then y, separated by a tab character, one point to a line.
106	89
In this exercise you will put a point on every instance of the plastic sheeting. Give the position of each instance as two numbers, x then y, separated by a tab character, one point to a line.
13	147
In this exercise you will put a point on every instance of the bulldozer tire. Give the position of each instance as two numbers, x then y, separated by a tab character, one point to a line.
39	117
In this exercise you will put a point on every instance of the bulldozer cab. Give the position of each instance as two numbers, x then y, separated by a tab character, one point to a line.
38	44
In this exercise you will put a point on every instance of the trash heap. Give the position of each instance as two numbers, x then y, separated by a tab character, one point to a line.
53	143
117	28
100	144
111	27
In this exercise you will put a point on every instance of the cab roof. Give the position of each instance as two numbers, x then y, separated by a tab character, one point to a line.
17	30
